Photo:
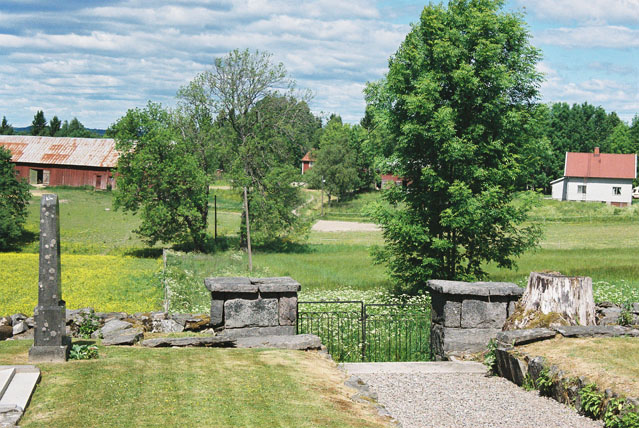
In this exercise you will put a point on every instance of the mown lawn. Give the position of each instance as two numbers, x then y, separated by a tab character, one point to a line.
191	387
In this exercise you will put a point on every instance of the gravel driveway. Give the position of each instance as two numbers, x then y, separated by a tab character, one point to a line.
448	395
344	226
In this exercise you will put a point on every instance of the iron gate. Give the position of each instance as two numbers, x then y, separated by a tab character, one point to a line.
357	332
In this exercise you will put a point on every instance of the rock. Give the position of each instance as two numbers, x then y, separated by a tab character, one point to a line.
522	337
210	341
10	414
129	336
27	335
197	323
596	331
158	316
509	366
30	322
180	318
482	314
283	284
17	317
283	330
110	327
303	342
77	315
446	311
474	288
250	313
167	326
108	316
447	342
6	331
635	308
606	305
217	312
288	310
608	316
6	321
230	285
20	327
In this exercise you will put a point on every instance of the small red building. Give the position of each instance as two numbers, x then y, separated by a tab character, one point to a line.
307	162
56	161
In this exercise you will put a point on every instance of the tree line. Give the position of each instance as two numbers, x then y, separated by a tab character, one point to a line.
52	128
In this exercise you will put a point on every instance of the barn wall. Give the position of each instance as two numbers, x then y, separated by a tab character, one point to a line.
70	175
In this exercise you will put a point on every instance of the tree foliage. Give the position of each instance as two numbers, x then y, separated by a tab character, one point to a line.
39	124
459	99
5	128
54	125
159	176
14	199
261	124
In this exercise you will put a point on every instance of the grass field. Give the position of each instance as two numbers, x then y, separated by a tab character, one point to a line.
580	239
191	387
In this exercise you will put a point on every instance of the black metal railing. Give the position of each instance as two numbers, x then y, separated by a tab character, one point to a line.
353	331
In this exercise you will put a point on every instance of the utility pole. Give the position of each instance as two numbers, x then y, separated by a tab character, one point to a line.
215	208
322	205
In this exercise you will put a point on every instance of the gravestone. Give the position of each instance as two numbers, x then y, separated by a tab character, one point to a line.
51	344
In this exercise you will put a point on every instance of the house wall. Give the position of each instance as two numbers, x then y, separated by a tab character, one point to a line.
598	190
558	190
306	166
70	175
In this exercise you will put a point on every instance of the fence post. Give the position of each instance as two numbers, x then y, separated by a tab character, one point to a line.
166	291
363	312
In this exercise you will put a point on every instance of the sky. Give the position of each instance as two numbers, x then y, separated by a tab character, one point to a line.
96	59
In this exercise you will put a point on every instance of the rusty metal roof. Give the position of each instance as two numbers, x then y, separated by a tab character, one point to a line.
96	152
600	165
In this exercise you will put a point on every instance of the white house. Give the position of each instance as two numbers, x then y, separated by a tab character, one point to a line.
597	177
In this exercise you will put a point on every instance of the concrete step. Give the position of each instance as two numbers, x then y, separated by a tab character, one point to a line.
21	386
5	378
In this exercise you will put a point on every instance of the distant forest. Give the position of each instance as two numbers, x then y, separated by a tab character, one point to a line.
52	128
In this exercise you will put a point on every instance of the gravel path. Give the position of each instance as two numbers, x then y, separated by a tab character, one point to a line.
449	399
344	226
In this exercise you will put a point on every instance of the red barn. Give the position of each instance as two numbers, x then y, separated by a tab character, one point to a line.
65	161
307	162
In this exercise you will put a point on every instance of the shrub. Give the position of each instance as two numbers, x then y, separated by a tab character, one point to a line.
83	352
591	401
88	325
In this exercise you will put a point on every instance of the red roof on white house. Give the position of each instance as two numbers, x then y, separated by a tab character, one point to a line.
308	157
600	165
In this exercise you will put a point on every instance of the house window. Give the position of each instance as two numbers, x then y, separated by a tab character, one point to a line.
581	189
616	191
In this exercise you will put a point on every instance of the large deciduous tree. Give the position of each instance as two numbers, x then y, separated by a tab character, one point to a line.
159	176
458	93
254	106
14	198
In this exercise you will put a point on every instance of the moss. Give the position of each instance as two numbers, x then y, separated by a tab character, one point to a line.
538	319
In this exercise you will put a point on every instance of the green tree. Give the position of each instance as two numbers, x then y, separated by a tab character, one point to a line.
54	126
75	129
335	161
456	90
159	177
236	90
14	198
619	140
39	124
5	128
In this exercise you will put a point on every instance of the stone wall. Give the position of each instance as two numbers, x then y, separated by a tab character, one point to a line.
466	315
253	306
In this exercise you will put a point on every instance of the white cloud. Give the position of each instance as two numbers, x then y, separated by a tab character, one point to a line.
608	36
594	11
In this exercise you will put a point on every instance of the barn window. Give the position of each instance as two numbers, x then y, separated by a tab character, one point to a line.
581	188
616	191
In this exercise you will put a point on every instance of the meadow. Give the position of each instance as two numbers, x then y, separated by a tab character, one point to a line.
105	265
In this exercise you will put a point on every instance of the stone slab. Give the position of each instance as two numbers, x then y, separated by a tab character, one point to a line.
596	331
474	288
510	367
483	314
217	312
48	354
283	330
302	342
445	311
429	367
110	327
5	378
282	284
608	316
225	284
240	313
447	342
130	336
20	327
20	389
209	341
287	307
523	337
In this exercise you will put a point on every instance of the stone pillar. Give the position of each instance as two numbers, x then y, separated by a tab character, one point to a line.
51	344
253	306
466	315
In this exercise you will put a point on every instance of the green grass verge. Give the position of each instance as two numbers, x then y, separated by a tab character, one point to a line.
190	387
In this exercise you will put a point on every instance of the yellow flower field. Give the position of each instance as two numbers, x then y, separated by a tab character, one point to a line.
106	283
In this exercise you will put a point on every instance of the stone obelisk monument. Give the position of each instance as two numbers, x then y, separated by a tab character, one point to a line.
50	343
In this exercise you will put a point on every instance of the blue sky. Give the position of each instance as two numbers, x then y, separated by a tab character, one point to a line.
96	59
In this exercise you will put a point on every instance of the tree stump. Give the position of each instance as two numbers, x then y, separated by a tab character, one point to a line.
553	300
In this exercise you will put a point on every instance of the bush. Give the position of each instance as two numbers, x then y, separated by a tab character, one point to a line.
83	352
14	198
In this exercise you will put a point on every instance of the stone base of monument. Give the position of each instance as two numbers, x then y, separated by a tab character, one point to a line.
48	354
